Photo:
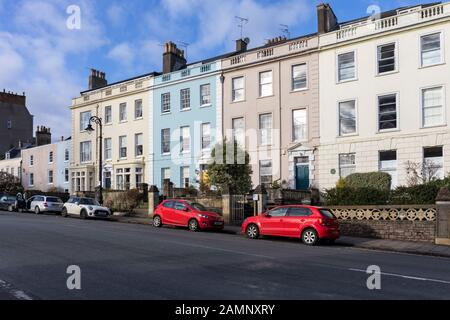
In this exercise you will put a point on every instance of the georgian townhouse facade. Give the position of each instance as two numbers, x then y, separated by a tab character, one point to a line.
384	90
46	168
185	119
123	108
271	108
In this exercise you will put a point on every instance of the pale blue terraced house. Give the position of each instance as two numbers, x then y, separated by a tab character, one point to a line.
186	118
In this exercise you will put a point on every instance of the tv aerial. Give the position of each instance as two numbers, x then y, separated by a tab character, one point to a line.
285	30
242	23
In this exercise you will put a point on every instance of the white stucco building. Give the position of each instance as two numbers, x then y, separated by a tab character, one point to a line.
384	92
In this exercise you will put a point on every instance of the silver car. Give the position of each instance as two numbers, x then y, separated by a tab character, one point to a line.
40	204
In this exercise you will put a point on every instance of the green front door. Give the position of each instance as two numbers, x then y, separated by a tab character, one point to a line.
302	177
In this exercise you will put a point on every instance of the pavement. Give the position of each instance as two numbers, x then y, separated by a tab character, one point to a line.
135	261
421	248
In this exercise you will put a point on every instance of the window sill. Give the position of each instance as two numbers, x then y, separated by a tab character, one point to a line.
185	110
432	65
237	101
265	97
108	124
166	154
388	131
123	121
347	136
140	118
387	73
435	126
166	113
347	81
206	105
299	90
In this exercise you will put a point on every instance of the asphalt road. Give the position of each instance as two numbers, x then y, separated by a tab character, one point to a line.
125	261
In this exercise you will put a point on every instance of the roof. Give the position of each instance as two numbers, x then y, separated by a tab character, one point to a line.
390	13
122	81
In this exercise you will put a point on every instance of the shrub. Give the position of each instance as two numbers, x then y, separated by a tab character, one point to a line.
123	201
374	180
355	196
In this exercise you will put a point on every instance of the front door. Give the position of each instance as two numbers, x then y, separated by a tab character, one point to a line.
302	177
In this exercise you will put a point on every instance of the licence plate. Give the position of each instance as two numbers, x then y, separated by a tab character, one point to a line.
218	223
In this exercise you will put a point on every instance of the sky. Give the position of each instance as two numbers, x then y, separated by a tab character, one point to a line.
49	61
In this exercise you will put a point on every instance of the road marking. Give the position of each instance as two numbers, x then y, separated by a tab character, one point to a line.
405	276
18	294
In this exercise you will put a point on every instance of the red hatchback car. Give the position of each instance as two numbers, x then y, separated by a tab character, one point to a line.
184	213
311	224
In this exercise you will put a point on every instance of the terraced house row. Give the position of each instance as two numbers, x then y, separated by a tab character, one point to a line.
359	96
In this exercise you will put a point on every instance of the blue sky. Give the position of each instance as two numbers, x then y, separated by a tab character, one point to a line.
41	56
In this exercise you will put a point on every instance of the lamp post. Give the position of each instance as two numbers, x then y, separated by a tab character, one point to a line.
90	129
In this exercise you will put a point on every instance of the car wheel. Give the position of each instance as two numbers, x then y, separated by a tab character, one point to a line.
83	214
310	237
252	231
37	210
193	225
64	213
157	222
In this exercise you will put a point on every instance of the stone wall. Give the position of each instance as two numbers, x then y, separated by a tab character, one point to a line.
421	231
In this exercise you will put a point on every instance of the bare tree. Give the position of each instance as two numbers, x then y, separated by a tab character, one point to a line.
421	172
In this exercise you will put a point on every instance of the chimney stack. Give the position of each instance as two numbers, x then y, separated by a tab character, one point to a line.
326	18
97	80
43	136
173	58
241	45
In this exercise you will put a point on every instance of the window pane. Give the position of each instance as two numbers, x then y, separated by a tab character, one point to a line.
386	58
299	74
239	131
138	109
123	112
265	81
205	94
165	102
139	144
347	164
84	120
238	89
265	128
185	96
299	124
165	141
387	108
433	106
185	139
347	118
346	66
431	49
265	172
206	135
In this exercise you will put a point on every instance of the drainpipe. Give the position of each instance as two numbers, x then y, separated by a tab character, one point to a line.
280	135
222	81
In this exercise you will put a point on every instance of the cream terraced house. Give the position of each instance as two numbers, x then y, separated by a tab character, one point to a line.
271	106
124	109
384	93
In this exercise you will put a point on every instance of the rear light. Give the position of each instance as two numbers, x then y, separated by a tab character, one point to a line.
325	222
45	204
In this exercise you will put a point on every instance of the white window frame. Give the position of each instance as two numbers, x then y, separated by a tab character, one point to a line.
339	118
293	125
233	132
355	53
260	166
110	113
31	179
442	42
136	116
123	116
107	150
202	135
389	170
136	145
265	84
31	160
183	99
444	104
396	57
397	111
233	89
260	130
81	152
50	177
66	155
202	104
346	165
165	101
162	141
123	145
66	175
82	127
441	174
307	76
50	157
183	177
183	139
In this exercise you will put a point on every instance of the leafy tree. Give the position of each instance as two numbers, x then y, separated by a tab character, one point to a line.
9	184
230	168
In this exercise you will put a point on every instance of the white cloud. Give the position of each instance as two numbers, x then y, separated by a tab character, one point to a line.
116	14
122	53
37	55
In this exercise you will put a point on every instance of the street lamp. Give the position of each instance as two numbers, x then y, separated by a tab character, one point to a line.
89	129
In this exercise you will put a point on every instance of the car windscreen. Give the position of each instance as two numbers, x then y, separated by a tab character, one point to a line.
327	213
89	202
54	200
197	206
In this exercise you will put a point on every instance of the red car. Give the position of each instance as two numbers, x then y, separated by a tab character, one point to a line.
311	224
189	214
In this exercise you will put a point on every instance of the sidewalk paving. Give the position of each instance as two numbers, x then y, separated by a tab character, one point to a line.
421	248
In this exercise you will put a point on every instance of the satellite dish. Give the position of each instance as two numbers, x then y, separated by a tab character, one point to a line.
247	40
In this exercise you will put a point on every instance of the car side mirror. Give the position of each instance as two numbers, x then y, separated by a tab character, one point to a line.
267	215
77	203
186	209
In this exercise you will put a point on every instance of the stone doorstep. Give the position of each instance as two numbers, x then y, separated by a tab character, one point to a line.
421	248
